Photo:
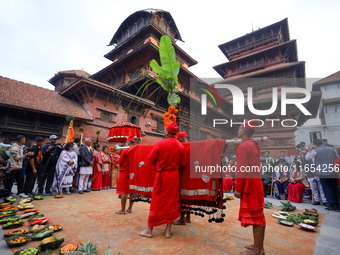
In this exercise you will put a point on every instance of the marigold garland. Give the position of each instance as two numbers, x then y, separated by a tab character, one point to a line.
170	115
112	149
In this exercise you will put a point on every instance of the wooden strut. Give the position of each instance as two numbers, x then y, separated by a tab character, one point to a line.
141	61
77	97
87	92
114	73
111	83
107	99
146	112
94	95
83	95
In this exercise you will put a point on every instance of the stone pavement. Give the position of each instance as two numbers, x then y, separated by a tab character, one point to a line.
329	238
328	241
92	217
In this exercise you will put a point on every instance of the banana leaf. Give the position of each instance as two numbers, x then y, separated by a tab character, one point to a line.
9	239
168	72
4	220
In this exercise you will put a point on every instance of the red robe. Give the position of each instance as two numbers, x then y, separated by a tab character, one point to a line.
337	167
167	156
249	183
123	179
97	172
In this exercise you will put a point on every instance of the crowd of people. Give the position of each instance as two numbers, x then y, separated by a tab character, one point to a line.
313	173
60	168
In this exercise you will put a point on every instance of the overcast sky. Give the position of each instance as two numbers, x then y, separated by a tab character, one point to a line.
40	38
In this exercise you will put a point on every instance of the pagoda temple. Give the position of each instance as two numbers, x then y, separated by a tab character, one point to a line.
264	59
112	95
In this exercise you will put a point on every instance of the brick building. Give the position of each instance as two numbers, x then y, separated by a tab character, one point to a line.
112	94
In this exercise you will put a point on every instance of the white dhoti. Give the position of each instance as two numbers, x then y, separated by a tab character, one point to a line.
314	185
86	170
85	173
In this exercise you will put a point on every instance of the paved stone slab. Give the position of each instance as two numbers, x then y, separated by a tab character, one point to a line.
329	241
323	250
335	213
331	221
92	217
330	231
4	248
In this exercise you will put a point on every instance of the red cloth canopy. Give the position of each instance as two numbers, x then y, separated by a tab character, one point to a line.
121	131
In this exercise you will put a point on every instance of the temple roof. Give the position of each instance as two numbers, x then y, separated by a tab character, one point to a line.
292	57
17	94
285	36
327	80
69	73
267	71
149	14
105	87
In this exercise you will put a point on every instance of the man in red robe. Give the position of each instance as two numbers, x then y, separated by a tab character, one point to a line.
249	187
123	180
167	156
185	217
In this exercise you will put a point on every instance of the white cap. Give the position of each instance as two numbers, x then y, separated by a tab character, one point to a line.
53	137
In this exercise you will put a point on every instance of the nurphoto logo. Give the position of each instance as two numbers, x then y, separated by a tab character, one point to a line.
239	104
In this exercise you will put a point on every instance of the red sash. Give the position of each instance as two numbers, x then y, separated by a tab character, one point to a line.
170	159
250	188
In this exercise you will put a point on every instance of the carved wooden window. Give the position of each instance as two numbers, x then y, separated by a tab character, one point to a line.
272	59
105	116
21	119
134	120
160	125
281	141
163	102
49	123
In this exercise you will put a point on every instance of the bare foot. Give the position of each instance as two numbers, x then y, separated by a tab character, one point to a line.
167	234
179	222
129	210
249	252
250	247
146	233
120	211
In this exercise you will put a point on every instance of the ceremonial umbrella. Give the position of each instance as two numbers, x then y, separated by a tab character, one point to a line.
121	131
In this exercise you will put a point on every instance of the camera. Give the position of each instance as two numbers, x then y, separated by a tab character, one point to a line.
53	147
298	146
4	172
